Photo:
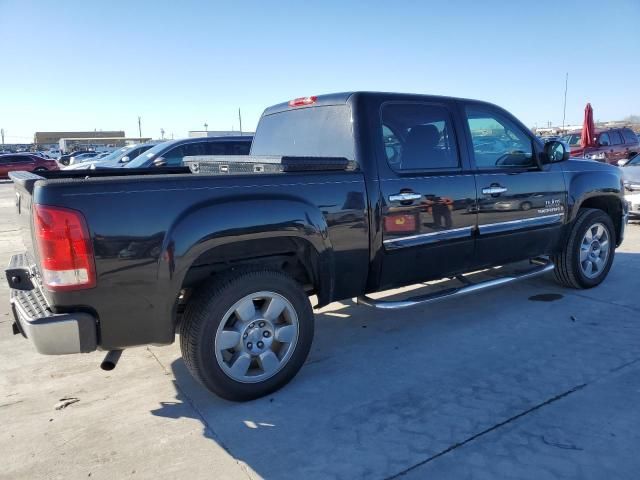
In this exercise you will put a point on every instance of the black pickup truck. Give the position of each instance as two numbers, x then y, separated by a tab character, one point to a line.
375	191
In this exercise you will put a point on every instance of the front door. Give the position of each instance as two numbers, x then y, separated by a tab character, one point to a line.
428	193
521	207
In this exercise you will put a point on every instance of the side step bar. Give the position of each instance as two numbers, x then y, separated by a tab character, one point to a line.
541	266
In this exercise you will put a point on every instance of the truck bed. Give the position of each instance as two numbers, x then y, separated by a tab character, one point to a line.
154	230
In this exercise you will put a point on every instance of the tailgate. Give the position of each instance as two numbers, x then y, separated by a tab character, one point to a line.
23	186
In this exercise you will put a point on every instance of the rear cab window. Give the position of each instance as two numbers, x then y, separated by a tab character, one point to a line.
320	131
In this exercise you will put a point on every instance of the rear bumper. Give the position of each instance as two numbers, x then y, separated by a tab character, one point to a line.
50	333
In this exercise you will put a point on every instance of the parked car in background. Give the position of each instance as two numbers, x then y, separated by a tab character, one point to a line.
572	139
82	157
25	161
631	176
65	159
116	159
54	153
171	153
611	146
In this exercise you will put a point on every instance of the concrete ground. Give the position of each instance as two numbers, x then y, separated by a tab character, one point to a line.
496	385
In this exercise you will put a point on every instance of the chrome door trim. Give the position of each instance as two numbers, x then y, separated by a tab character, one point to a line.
540	221
426	238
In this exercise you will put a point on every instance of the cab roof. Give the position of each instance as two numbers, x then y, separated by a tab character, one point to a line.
344	97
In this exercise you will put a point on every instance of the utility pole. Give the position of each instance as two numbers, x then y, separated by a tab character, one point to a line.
206	127
139	126
162	133
564	110
240	118
2	133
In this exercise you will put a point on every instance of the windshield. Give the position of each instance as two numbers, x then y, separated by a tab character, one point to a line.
116	154
141	159
572	139
634	161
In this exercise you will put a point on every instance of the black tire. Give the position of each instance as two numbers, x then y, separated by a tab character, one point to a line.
40	169
567	263
206	309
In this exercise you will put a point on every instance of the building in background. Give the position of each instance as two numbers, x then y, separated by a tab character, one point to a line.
115	138
218	133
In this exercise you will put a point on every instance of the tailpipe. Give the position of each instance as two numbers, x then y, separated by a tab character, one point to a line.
110	360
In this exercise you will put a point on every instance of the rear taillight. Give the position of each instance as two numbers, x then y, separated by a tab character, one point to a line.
64	245
299	102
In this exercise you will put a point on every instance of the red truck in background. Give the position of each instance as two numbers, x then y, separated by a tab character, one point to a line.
612	145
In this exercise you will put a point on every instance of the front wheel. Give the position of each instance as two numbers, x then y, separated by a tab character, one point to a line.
588	253
247	333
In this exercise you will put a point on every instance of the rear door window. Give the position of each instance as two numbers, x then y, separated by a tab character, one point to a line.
216	148
238	148
615	137
604	140
418	136
629	136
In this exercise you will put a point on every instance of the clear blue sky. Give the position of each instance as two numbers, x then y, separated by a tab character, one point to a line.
76	65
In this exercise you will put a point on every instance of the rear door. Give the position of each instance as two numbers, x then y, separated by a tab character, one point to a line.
428	192
521	207
617	147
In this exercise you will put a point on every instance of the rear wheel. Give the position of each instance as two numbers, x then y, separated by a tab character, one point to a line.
588	253
247	334
40	169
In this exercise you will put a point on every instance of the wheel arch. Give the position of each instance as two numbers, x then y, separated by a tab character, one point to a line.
280	232
601	190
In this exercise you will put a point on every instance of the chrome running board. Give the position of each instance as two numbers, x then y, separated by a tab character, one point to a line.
542	265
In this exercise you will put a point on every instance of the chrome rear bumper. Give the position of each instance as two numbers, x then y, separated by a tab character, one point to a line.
50	333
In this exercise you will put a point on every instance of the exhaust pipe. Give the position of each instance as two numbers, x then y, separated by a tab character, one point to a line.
110	360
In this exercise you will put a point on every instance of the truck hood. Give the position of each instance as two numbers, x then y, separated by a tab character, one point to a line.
579	163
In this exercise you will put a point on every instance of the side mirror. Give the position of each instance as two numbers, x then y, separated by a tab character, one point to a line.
124	159
556	151
159	162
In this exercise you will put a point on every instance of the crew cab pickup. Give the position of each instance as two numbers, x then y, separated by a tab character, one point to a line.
372	191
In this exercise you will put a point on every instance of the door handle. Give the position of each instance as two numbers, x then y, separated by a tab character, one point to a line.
404	197
493	190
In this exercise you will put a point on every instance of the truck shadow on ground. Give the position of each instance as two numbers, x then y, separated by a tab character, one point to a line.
384	391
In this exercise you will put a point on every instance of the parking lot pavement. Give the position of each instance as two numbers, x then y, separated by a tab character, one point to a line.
497	385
